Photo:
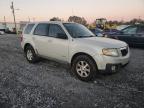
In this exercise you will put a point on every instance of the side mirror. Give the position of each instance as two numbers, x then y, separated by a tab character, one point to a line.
62	36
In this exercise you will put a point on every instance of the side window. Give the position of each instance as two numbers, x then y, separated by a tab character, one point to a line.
130	30
28	28
56	31
141	30
41	29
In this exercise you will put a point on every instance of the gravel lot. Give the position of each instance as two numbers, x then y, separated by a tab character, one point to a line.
49	84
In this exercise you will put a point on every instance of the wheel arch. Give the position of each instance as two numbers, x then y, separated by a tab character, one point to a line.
26	45
82	53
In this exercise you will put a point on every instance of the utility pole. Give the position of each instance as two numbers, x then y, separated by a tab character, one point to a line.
13	12
5	22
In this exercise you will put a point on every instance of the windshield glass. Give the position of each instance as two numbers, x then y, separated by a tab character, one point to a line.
78	30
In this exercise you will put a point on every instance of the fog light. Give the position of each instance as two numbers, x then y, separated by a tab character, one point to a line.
113	68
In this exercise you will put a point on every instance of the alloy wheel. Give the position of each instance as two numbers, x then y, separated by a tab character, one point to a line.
83	68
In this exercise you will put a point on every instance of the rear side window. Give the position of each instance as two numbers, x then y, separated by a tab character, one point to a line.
141	30
130	30
41	29
28	28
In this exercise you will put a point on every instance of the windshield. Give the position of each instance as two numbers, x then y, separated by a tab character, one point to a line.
78	30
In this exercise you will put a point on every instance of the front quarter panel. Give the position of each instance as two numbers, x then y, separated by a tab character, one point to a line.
82	48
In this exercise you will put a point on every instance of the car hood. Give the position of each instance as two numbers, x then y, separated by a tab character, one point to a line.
102	42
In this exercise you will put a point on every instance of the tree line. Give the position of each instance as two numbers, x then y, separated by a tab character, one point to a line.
83	21
76	19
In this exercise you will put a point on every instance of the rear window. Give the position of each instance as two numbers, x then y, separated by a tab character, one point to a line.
28	28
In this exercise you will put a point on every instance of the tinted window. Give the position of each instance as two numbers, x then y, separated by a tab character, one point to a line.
130	30
141	29
28	28
41	29
56	31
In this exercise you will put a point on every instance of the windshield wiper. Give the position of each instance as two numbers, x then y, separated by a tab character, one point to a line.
85	36
79	36
91	36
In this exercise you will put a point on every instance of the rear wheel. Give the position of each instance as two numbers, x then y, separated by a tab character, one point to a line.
84	68
31	55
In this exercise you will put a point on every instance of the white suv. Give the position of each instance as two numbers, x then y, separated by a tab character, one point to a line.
74	44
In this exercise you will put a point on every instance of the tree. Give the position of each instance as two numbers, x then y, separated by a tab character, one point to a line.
134	21
55	19
77	19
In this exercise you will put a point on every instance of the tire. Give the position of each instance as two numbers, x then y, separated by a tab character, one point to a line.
84	68
31	55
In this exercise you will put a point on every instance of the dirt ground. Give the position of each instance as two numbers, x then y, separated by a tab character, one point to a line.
49	84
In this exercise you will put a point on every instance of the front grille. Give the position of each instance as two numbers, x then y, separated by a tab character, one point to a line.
124	51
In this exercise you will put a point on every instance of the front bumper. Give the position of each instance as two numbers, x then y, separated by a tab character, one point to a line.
112	68
111	64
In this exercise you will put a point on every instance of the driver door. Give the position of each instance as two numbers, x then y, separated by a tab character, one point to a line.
58	43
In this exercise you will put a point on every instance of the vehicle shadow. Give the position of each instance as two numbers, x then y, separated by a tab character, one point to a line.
67	69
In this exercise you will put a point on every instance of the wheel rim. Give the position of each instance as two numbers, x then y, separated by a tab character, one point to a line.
83	68
29	55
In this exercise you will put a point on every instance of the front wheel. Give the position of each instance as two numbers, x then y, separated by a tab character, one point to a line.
84	68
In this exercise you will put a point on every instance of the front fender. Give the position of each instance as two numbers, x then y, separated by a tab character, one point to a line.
84	49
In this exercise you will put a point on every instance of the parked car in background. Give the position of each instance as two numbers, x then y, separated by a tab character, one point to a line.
98	32
76	45
110	31
120	27
103	33
2	32
133	35
2	29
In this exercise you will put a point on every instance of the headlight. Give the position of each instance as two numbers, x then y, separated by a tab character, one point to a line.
110	52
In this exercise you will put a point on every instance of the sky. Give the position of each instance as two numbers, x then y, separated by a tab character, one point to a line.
43	10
